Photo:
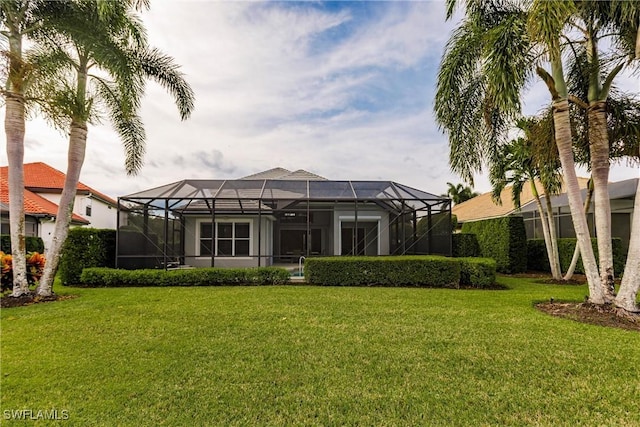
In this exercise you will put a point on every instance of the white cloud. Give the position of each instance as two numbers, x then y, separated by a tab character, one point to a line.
344	94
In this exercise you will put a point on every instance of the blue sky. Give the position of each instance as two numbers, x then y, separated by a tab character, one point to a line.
342	89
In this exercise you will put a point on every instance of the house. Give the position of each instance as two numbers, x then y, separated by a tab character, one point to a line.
278	216
621	193
43	188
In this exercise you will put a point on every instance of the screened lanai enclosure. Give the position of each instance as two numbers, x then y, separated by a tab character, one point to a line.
262	222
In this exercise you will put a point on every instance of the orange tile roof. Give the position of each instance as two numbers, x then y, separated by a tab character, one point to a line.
40	177
33	203
483	206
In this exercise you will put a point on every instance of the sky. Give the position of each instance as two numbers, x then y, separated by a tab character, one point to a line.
341	89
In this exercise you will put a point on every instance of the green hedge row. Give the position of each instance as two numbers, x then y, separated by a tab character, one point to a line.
435	271
84	248
477	272
32	244
503	239
538	260
465	245
111	277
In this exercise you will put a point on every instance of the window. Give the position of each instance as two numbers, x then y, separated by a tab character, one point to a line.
231	239
87	210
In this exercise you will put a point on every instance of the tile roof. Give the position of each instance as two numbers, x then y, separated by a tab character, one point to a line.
33	203
483	206
40	177
282	173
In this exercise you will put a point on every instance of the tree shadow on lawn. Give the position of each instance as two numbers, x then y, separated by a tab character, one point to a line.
8	301
584	312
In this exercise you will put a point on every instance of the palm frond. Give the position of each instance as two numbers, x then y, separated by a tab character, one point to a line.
166	72
127	124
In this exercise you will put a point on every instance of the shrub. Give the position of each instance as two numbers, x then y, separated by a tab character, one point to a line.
35	268
32	244
477	272
110	277
538	260
383	271
503	239
465	245
86	247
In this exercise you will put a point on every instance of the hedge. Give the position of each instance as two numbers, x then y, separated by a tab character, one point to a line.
465	245
86	247
434	271
111	277
539	261
32	244
504	240
477	272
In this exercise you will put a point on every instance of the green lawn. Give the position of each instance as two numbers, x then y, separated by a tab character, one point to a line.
296	355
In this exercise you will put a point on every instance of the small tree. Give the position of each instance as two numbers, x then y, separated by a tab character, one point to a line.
112	41
459	193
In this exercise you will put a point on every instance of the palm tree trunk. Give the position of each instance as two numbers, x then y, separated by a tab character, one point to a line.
545	231
576	251
630	285
77	148
563	139
555	253
14	128
599	152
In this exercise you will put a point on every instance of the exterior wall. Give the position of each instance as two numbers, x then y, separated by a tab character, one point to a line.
620	225
31	225
265	242
327	222
102	215
378	216
47	228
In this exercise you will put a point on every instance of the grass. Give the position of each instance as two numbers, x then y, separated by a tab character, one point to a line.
296	355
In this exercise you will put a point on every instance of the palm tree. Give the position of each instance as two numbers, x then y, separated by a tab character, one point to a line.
15	17
459	193
518	163
118	49
488	61
597	20
630	284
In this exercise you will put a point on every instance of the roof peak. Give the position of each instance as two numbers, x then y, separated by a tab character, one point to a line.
282	173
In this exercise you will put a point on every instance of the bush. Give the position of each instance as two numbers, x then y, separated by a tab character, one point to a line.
504	240
477	272
86	247
32	244
383	271
35	268
539	261
465	245
111	277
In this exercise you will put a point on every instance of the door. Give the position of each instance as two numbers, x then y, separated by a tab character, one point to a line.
362	240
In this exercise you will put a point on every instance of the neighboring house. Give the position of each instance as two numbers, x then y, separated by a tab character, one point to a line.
622	195
278	216
43	188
